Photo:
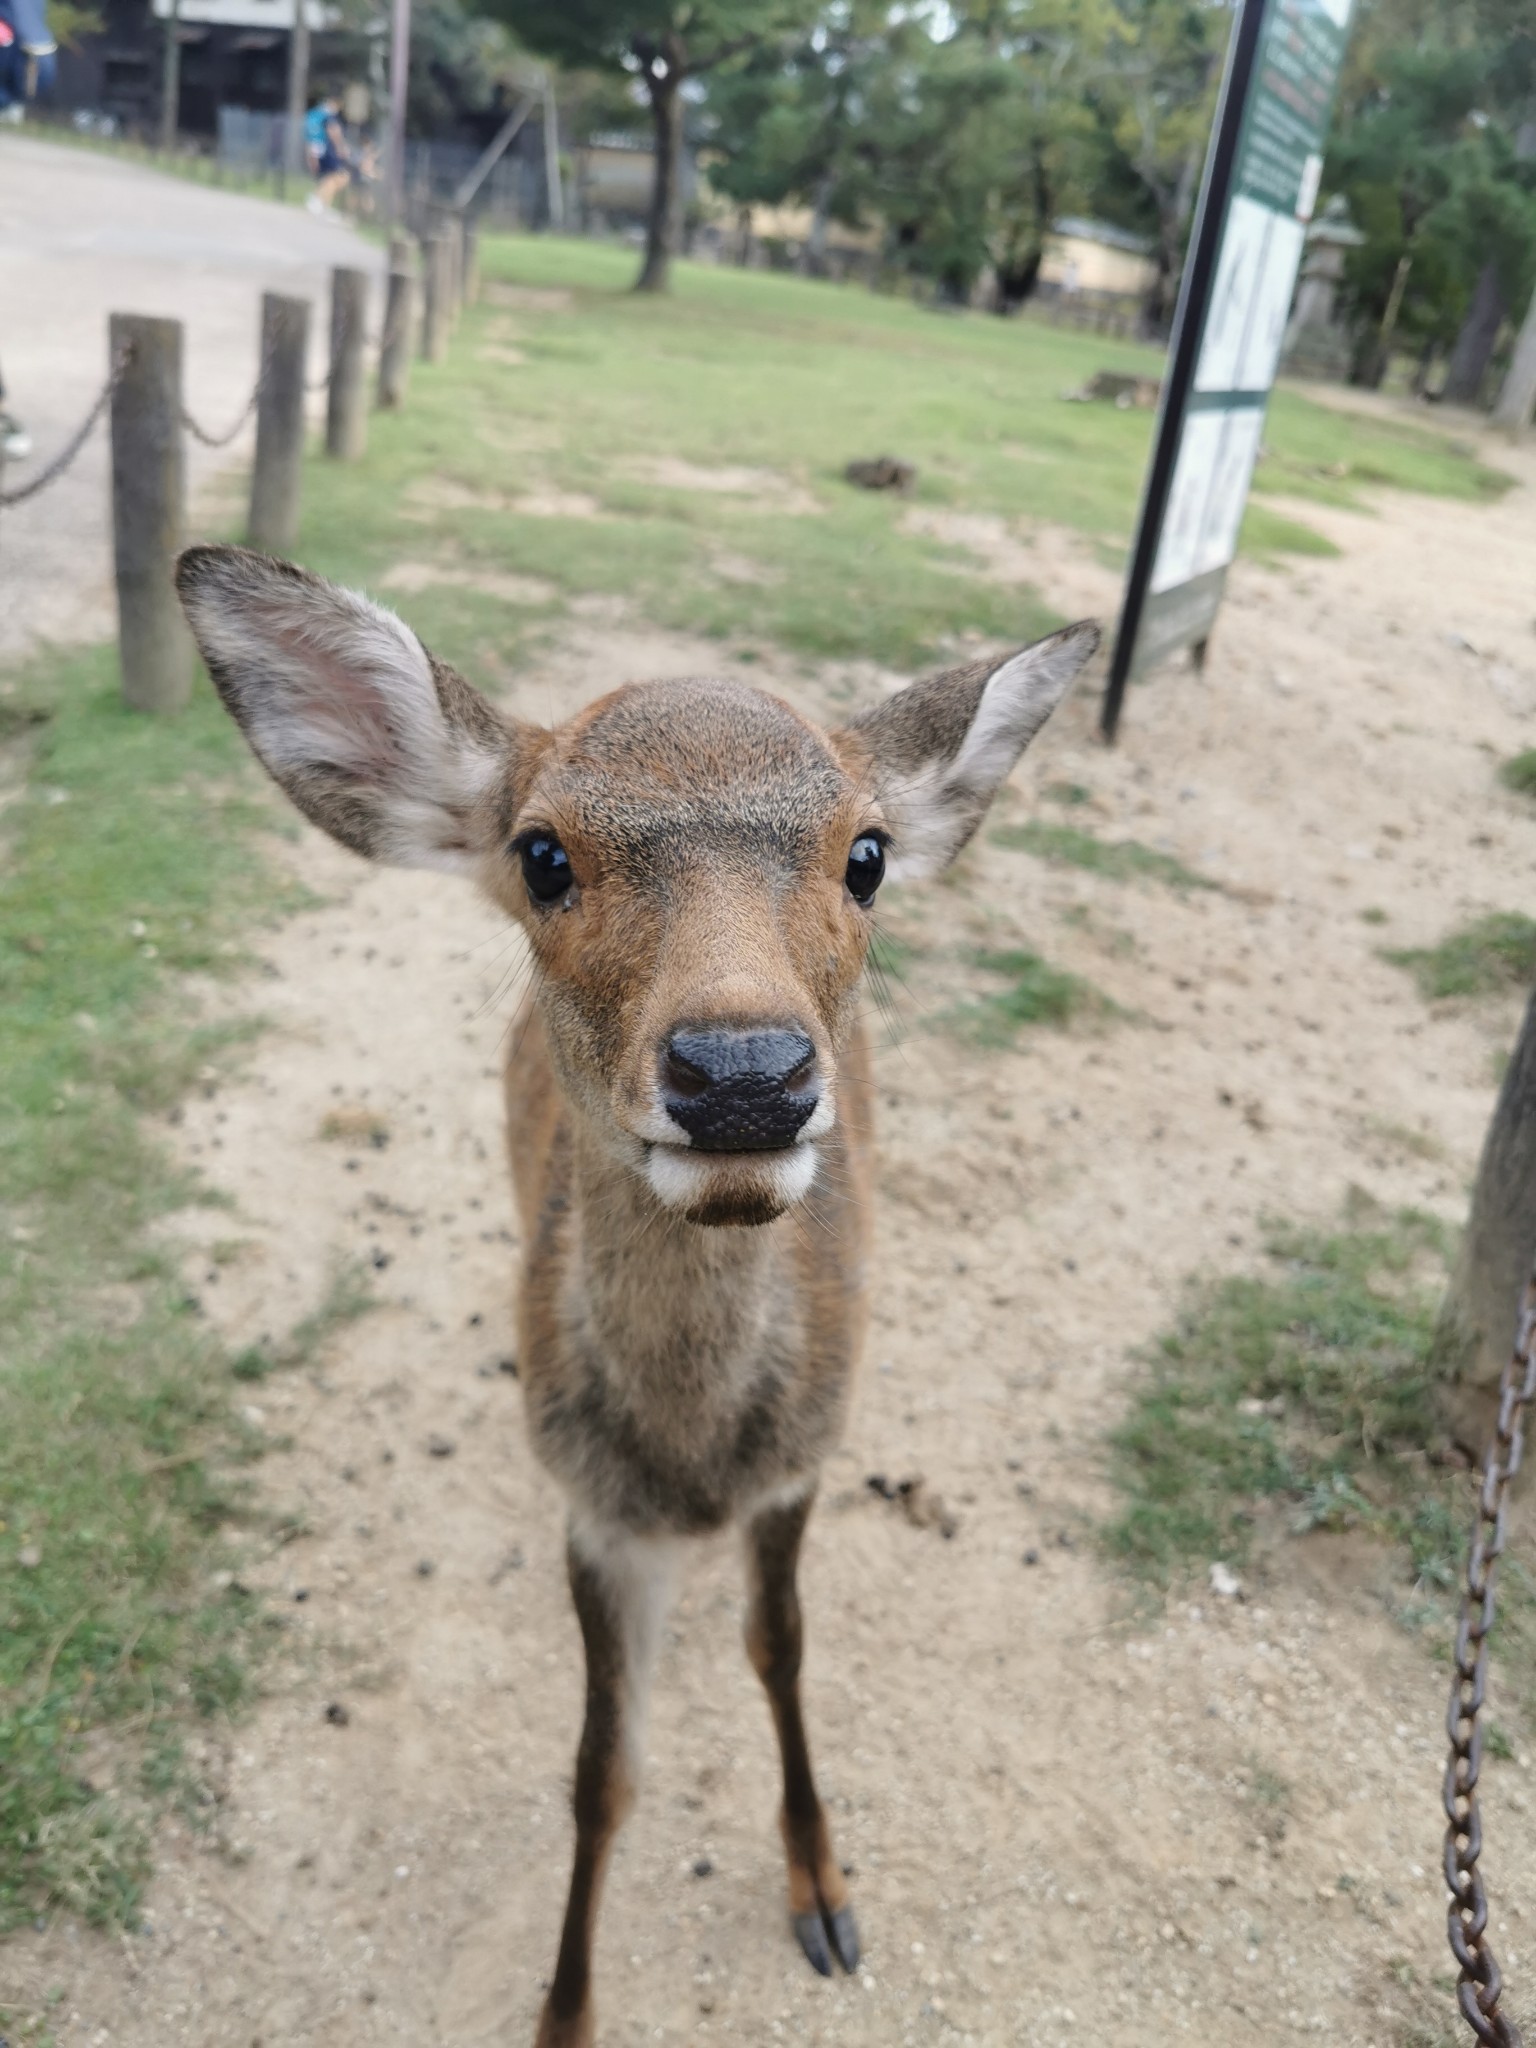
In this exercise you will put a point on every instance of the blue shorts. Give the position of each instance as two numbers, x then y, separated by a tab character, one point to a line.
329	163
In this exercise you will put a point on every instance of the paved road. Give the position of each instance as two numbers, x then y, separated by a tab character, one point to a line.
82	235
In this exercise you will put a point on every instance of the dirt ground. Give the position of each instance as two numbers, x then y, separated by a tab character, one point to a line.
84	235
1068	1820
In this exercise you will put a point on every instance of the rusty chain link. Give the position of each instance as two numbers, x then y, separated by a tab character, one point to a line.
1481	1983
77	441
263	371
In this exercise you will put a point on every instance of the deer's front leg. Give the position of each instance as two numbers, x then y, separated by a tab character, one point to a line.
619	1584
818	1896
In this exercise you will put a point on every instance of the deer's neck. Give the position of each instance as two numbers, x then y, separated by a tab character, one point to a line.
675	1314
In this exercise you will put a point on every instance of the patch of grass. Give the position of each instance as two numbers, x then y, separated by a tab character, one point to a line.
1035	992
1123	860
355	1124
1309	1385
130	862
346	1298
1496	953
1302	1398
1519	773
1373	915
1072	793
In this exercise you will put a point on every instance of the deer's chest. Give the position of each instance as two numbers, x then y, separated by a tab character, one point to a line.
678	1448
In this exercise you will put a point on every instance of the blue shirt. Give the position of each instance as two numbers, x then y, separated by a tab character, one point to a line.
317	124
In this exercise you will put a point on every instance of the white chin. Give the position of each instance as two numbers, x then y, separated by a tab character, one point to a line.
688	1180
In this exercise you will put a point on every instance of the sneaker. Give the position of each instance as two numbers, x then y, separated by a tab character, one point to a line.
316	204
15	441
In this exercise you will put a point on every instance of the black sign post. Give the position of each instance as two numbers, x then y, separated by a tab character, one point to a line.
1257	195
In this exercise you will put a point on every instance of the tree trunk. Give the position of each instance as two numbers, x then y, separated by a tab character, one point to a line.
298	94
1518	396
1474	344
1477	1318
665	217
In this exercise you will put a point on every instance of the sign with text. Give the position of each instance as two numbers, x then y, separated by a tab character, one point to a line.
1260	186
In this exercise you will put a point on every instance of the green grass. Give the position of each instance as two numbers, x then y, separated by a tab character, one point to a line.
1123	860
778	374
131	864
1308	1385
1034	992
1495	954
1302	1398
1519	773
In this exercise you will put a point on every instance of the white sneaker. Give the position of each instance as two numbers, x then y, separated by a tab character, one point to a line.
15	441
316	204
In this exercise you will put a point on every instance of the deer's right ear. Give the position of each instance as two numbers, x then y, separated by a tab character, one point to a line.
384	748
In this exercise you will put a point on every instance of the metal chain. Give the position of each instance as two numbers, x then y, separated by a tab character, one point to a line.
263	371
1481	1983
72	447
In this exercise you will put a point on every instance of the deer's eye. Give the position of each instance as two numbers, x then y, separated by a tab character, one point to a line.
546	866
866	867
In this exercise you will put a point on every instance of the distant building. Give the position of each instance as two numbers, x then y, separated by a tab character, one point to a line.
1094	256
234	53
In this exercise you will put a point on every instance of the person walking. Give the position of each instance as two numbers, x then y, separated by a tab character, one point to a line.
325	145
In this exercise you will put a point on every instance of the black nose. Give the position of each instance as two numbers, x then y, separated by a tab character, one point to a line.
739	1091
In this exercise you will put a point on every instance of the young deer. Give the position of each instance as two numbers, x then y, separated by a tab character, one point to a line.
688	1098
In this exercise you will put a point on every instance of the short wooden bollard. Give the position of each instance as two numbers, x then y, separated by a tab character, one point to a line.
149	502
399	317
438	311
471	277
278	473
346	410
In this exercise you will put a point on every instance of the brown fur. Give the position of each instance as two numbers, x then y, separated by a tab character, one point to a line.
690	1321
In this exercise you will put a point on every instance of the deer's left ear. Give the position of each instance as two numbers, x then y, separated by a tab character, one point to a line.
936	754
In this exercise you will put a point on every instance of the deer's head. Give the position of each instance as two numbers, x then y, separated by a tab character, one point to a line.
694	863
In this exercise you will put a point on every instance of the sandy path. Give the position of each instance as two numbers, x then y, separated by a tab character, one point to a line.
82	236
1066	1824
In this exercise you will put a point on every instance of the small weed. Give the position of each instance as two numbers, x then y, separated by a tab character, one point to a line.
1067	793
1496	953
1519	773
353	1124
1037	993
346	1298
1123	860
1406	1138
1372	915
1496	1742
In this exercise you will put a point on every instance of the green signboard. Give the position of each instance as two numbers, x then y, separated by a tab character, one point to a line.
1261	181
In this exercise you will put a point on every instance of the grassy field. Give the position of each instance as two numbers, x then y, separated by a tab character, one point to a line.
545	450
750	372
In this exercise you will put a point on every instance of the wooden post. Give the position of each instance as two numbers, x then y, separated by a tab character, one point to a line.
149	501
471	281
438	281
399	317
346	411
278	472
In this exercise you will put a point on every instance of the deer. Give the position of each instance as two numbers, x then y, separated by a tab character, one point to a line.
694	865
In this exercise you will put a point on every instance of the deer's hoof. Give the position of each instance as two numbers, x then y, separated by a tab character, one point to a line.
845	1937
812	1937
823	1935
